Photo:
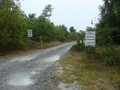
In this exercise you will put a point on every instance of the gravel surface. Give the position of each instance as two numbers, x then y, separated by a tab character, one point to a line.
32	71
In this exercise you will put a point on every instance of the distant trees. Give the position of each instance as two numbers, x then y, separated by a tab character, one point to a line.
71	29
42	26
14	24
73	35
90	29
61	32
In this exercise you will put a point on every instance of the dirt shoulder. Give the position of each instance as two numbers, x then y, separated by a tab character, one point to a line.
85	74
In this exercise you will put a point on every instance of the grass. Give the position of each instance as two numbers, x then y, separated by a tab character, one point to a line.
91	75
30	48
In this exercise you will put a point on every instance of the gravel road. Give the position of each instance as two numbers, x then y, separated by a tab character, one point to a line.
32	71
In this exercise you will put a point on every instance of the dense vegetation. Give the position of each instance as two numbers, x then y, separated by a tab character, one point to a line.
107	47
108	28
97	68
14	24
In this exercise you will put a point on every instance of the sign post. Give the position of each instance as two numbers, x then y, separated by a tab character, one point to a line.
90	38
29	33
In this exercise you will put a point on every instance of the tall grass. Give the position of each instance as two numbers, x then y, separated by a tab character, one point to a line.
94	68
108	55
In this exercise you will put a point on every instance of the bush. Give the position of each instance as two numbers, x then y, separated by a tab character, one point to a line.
109	55
90	50
109	61
78	47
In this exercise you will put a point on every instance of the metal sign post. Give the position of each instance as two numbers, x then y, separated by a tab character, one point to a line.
90	38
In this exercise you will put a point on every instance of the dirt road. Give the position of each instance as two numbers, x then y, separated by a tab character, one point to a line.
31	71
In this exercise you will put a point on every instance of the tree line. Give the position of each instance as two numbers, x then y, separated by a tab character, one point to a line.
14	24
108	28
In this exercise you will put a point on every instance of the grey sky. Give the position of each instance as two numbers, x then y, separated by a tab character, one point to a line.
77	13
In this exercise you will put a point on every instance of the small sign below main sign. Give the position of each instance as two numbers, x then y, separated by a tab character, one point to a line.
29	32
89	42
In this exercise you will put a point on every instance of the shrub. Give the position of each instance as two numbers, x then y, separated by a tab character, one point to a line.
90	50
109	61
109	55
78	47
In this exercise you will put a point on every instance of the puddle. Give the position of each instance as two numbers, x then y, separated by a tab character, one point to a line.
23	59
52	58
70	86
32	73
20	79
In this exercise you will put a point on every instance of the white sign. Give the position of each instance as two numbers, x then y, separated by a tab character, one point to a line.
90	37
90	43
90	32
29	32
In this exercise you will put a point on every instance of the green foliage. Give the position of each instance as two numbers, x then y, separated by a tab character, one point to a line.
73	36
32	18
91	53
109	55
43	28
71	29
108	36
109	61
47	12
61	32
90	29
90	50
12	26
81	35
108	28
78	47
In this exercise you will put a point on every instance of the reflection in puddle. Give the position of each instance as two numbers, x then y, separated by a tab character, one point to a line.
52	58
20	79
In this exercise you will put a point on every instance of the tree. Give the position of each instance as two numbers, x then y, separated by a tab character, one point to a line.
12	26
90	29
108	28
32	18
47	12
43	28
71	29
61	32
73	36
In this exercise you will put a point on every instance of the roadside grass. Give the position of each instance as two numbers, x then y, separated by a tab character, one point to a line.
90	74
31	47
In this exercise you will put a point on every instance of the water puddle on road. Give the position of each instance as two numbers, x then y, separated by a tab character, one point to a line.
20	79
23	59
52	58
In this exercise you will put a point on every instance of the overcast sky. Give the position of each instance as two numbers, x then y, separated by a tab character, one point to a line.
77	13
